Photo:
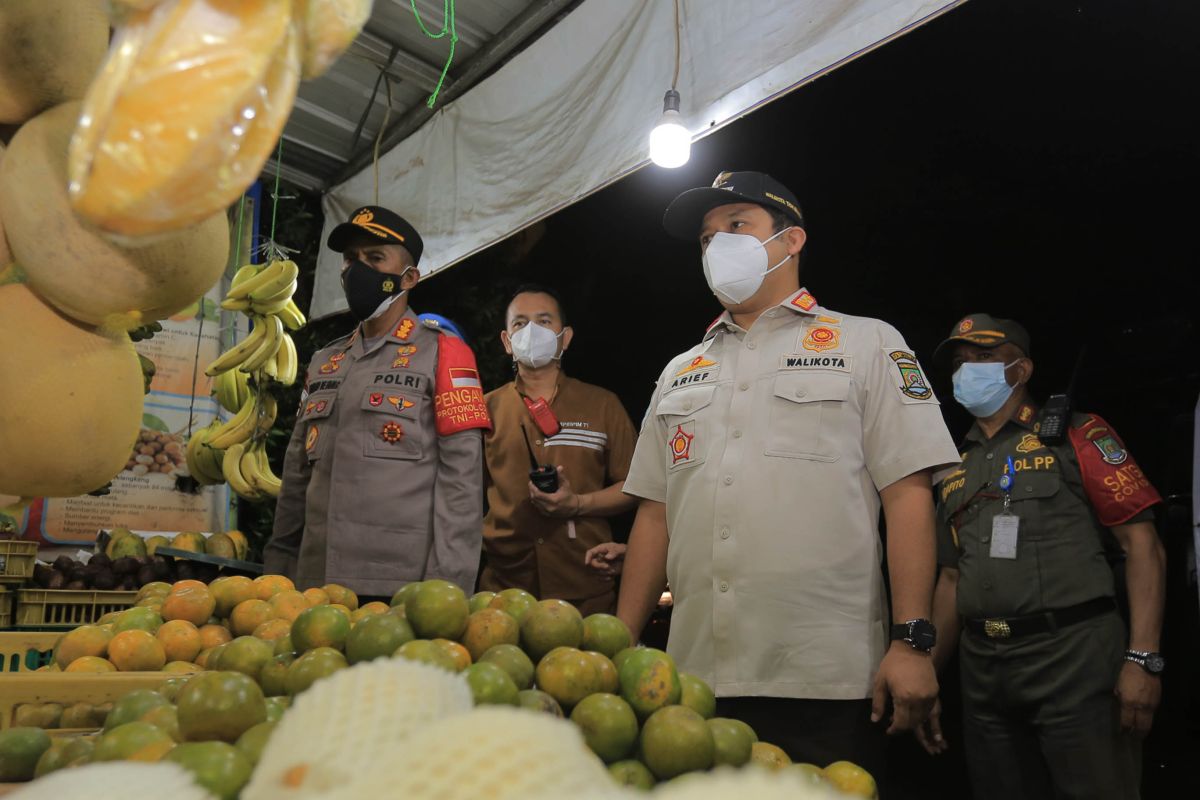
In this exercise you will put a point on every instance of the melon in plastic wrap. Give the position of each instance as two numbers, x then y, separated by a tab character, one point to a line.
49	52
115	780
71	399
494	752
329	27
352	720
184	113
75	268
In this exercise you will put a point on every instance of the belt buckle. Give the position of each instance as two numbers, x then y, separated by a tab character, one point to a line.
996	629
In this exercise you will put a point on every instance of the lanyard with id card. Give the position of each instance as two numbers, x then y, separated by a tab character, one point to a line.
1006	523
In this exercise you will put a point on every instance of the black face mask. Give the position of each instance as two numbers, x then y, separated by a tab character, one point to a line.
366	288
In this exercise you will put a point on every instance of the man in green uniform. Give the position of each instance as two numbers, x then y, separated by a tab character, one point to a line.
1056	692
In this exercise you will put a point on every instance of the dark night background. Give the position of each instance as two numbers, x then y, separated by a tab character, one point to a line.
1032	159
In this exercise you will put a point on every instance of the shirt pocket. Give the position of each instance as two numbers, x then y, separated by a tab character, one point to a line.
314	416
391	424
803	409
1034	500
684	415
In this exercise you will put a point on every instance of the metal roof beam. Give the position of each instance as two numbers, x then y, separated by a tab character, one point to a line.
432	14
535	16
292	175
405	66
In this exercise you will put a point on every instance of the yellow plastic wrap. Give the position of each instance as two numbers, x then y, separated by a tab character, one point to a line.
184	113
49	51
79	271
329	27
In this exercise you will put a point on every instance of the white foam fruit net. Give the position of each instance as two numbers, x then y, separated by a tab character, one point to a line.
492	753
347	723
116	780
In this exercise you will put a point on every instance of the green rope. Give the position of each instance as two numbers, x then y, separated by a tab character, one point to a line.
237	247
448	26
275	194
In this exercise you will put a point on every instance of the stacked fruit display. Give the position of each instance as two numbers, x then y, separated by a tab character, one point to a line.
114	193
235	450
261	644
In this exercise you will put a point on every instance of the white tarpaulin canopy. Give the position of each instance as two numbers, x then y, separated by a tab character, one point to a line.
572	113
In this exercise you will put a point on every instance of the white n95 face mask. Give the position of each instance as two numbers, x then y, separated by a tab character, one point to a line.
535	345
735	265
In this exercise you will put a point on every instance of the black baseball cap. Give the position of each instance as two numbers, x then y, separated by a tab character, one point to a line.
387	226
984	330
687	211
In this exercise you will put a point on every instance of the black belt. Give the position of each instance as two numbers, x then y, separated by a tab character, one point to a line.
1013	627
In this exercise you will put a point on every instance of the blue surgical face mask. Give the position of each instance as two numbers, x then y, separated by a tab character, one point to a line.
980	387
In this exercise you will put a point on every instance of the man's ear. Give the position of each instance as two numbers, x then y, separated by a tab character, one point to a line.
411	278
568	333
795	239
506	341
1024	370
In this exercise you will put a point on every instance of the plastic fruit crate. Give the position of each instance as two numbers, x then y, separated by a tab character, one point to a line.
68	689
16	560
68	608
25	651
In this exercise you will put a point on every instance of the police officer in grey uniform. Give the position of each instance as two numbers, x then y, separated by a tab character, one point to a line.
383	478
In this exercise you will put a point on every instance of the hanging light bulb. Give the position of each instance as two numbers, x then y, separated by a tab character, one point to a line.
670	141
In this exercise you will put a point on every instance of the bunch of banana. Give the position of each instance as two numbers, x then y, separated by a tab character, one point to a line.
204	462
256	416
246	468
264	293
232	389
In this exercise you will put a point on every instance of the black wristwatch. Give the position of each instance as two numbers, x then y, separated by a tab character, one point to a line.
919	634
1151	662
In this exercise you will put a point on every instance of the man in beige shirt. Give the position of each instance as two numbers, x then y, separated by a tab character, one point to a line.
763	462
535	540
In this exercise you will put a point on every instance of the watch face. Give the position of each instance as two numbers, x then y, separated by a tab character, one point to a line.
1154	663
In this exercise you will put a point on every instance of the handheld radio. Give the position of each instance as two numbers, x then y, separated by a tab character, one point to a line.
1055	416
545	478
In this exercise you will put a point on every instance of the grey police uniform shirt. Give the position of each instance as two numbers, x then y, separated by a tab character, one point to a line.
372	496
769	448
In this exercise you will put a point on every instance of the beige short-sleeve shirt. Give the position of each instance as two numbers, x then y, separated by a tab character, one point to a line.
769	448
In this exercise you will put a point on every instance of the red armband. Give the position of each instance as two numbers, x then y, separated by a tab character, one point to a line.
458	394
1113	481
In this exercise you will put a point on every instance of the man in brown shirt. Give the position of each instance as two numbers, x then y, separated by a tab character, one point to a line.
559	544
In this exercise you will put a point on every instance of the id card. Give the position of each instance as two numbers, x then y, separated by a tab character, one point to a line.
1004	535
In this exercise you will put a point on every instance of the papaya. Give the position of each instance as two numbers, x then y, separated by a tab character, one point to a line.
61	437
80	272
49	52
227	71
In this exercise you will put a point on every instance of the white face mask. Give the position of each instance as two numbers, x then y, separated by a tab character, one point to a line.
535	345
735	265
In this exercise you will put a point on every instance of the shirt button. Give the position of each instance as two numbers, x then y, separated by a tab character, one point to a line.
724	586
744	386
687	405
989	456
800	393
751	345
541	540
737	433
1029	488
728	479
724	533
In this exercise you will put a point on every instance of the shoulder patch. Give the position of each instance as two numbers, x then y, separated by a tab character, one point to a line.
458	393
910	380
1115	484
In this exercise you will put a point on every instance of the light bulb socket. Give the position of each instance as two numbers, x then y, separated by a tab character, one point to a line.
671	101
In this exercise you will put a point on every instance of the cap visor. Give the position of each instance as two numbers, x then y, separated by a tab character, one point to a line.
945	349
340	236
686	212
